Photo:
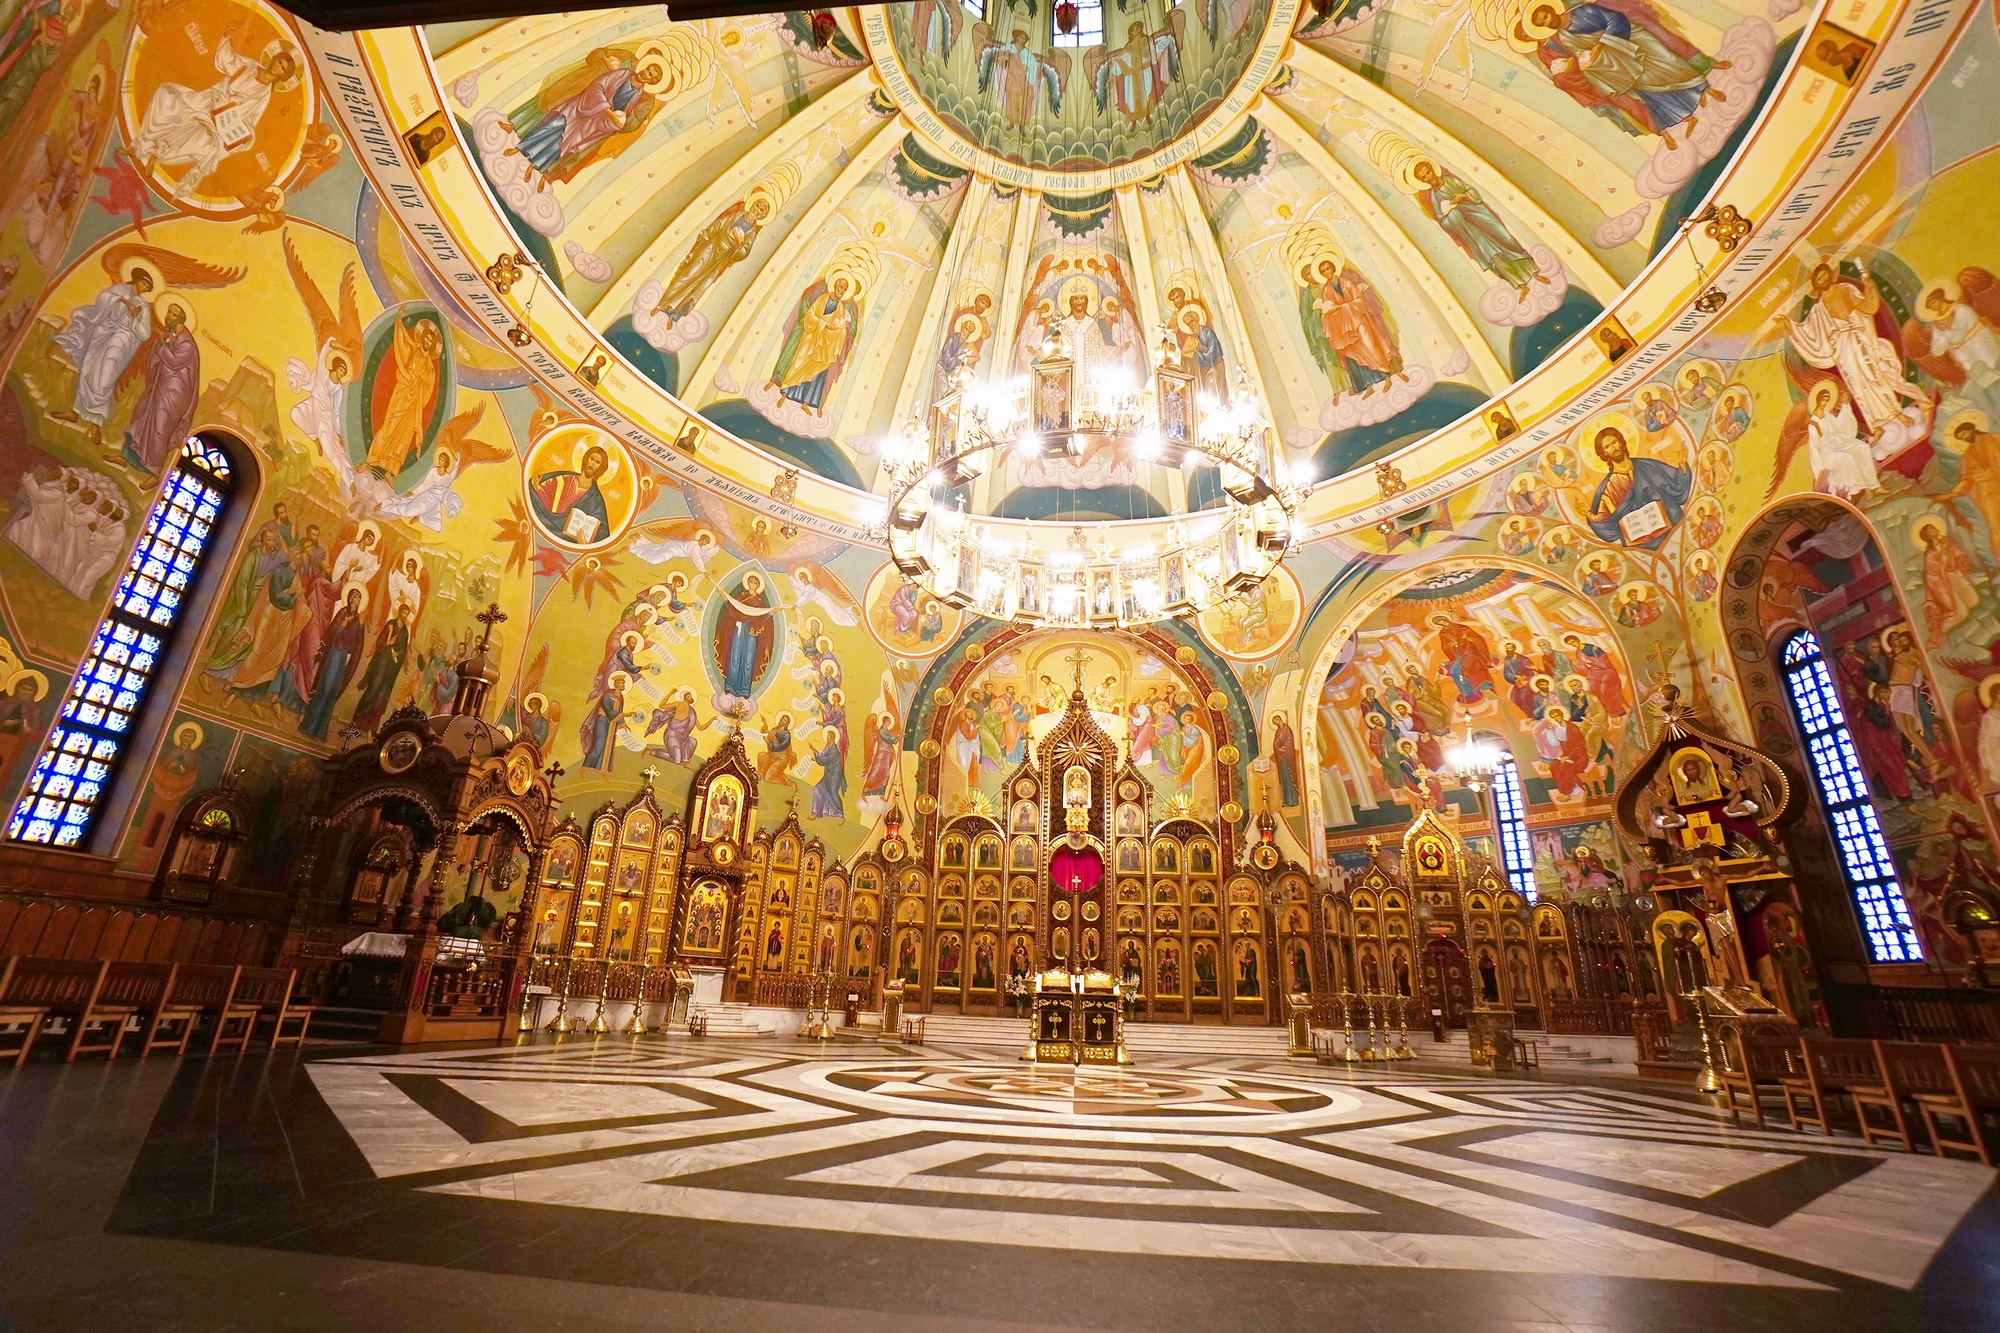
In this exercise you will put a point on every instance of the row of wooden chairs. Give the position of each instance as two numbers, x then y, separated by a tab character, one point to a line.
1884	1090
98	1004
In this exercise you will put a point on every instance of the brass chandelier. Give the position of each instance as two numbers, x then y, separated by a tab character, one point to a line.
1065	573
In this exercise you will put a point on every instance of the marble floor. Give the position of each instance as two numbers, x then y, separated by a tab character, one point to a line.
678	1183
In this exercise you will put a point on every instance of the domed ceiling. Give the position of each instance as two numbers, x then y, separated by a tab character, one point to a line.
798	225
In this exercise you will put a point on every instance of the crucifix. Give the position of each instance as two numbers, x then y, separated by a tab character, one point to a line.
490	617
1077	660
649	772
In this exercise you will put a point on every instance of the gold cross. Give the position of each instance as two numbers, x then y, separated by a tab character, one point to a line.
649	773
490	617
1077	660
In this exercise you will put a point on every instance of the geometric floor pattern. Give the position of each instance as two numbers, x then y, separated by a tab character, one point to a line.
1268	1163
1186	1193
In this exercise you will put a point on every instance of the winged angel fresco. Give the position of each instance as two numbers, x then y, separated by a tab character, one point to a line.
1022	73
408	389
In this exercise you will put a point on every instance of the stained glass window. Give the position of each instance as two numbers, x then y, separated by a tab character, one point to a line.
1843	789
1510	819
80	759
1089	25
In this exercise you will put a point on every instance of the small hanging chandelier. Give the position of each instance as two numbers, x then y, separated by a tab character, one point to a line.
1471	759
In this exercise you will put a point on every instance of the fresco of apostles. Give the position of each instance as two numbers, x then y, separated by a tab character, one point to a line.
1520	660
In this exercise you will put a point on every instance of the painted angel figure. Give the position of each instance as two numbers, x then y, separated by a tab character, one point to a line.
1135	76
197	128
1022	73
336	358
675	539
934	27
815	588
101	340
432	500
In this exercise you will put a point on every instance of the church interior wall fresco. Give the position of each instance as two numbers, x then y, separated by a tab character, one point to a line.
762	234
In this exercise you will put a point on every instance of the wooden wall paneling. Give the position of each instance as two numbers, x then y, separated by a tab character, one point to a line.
10	912
55	936
161	949
116	931
89	930
28	928
140	941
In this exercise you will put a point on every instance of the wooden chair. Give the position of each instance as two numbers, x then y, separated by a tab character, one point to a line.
1833	1067
63	988
130	991
1527	1054
196	989
1759	1062
1909	1069
266	992
1975	1078
15	1012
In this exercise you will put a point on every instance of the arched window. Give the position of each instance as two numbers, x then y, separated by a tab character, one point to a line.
93	731
1089	25
1510	823
1843	789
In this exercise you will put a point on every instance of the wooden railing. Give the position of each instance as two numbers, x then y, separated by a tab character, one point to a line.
1922	1013
459	990
782	990
1652	1031
1601	1017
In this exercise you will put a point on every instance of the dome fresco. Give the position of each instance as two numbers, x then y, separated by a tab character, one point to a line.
800	227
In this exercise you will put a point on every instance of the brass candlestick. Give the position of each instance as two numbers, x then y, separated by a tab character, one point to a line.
561	1024
636	1025
598	1026
1372	1004
1347	1054
527	1022
1403	1051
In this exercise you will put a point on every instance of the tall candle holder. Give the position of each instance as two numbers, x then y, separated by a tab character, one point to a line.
1403	1051
636	1025
598	1026
1347	1053
562	1024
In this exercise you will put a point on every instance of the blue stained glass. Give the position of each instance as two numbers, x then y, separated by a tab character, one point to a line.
110	686
1510	817
1843	788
